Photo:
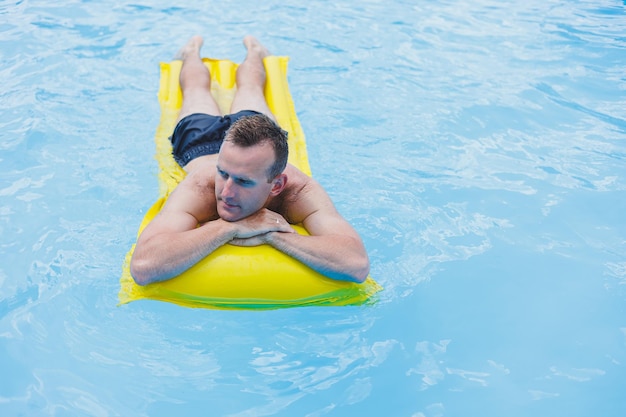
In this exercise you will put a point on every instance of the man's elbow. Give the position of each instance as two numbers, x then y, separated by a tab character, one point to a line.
363	276
140	271
362	271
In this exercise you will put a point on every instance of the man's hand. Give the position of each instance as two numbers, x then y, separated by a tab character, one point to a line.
253	230
250	241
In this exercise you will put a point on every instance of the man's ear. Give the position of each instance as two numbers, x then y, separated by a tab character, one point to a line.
278	185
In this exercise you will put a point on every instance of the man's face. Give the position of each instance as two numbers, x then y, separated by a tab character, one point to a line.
241	186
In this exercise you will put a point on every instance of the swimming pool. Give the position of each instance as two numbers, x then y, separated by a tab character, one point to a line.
478	147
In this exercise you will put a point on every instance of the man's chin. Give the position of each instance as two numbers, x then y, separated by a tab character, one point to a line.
228	216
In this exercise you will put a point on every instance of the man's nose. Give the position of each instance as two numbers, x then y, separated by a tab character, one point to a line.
228	189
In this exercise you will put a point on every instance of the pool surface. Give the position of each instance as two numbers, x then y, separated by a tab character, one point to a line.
478	147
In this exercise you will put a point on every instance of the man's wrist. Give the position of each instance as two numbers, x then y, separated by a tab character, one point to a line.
225	228
269	238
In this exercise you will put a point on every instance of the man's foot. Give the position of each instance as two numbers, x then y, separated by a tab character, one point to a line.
255	47
251	80
192	48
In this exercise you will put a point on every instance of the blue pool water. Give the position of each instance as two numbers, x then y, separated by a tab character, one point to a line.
478	147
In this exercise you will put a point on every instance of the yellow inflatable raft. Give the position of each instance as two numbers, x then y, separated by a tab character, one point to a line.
236	277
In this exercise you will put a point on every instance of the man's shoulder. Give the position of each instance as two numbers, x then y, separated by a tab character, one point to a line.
200	174
195	194
298	181
304	196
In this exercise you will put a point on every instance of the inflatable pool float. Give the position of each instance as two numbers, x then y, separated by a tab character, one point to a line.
234	277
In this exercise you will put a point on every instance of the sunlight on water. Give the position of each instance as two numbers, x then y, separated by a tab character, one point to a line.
478	148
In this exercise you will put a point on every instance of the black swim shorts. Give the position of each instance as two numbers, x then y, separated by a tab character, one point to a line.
201	134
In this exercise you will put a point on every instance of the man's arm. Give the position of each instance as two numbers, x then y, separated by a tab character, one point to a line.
173	242
333	248
166	251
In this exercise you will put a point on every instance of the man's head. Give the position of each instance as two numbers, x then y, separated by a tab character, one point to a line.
250	167
257	130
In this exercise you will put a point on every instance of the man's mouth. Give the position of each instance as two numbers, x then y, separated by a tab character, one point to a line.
228	204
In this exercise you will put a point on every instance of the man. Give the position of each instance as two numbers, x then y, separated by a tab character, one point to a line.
239	188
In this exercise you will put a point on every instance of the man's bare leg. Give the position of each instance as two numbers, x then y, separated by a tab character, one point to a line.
195	81
251	80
